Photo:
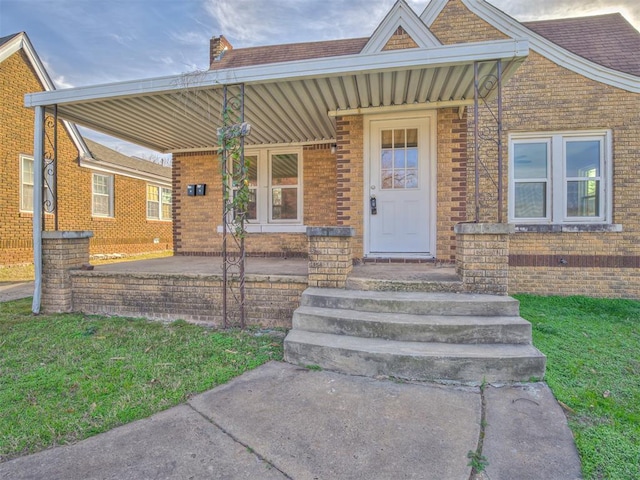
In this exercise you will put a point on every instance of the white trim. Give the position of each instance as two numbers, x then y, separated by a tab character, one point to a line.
254	146
264	223
540	44
400	108
109	168
400	15
557	193
432	10
111	196
160	203
21	41
411	58
433	177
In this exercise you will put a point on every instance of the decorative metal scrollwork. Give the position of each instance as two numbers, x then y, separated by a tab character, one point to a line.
235	193
50	168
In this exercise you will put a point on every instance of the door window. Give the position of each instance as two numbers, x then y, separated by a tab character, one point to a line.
399	159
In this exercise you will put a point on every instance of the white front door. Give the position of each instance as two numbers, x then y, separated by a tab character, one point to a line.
401	189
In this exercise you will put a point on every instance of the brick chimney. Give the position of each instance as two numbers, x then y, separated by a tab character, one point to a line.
217	48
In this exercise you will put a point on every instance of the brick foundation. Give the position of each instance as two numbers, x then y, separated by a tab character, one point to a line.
270	300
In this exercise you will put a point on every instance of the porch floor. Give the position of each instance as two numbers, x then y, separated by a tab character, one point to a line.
200	265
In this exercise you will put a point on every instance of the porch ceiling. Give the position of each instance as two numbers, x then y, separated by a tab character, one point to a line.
287	102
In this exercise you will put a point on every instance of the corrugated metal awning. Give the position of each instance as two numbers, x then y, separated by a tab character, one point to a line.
289	102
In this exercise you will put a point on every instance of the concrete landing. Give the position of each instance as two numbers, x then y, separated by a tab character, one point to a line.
284	422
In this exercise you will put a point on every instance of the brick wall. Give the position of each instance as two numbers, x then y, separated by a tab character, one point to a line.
197	218
452	179
270	301
350	178
400	40
543	96
128	232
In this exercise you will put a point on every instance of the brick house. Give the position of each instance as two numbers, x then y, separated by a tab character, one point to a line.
394	136
119	198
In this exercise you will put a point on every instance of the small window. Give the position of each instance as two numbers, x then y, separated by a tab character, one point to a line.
158	203
26	184
26	189
102	195
559	177
275	186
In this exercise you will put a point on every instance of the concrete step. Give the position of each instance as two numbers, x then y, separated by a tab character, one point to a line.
414	328
415	360
417	303
378	285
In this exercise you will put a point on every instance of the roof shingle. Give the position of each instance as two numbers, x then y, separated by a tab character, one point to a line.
243	57
608	40
109	156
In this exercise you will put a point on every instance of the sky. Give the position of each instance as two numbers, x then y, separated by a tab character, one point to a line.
89	42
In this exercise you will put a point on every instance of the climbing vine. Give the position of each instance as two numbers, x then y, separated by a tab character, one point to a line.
235	171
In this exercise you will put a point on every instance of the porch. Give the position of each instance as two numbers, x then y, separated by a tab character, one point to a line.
191	287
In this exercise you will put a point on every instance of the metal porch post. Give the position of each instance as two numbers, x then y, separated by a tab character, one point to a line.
38	174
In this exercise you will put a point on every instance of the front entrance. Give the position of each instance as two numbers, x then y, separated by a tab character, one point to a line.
400	194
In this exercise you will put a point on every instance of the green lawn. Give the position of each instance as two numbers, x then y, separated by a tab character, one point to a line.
593	368
67	377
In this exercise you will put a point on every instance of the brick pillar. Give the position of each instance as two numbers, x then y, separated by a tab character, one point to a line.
61	252
482	256
330	256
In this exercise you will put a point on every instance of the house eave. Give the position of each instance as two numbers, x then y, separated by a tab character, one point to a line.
286	102
512	28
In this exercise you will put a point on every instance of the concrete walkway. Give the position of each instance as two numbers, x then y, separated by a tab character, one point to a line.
284	422
15	290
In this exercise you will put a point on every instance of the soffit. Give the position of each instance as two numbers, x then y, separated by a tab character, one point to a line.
285	102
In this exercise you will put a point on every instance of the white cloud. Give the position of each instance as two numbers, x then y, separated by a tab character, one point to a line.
546	9
263	22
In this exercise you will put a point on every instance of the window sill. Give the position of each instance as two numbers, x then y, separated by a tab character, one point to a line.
272	228
156	220
103	219
569	228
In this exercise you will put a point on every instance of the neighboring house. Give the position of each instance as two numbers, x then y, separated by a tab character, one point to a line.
339	124
126	202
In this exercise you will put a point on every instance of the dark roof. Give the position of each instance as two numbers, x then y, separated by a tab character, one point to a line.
608	40
4	40
242	57
110	156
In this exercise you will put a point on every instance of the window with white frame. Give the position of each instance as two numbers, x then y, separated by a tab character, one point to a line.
26	184
158	202
275	186
560	177
102	195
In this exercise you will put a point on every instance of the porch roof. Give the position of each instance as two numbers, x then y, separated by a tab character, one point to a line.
285	102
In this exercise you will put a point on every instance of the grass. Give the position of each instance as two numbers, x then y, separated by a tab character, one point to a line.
593	368
25	272
66	377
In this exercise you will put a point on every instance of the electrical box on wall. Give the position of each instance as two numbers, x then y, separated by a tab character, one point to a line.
191	190
201	188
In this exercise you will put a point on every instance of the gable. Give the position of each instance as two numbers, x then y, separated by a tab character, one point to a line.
399	40
455	23
20	43
462	21
401	28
